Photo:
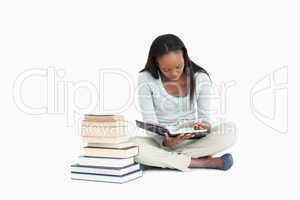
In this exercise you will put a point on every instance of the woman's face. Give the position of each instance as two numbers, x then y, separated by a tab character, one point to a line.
171	65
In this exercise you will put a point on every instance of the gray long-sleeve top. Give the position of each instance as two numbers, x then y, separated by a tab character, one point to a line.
156	105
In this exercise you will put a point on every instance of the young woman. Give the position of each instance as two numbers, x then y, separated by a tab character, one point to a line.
173	88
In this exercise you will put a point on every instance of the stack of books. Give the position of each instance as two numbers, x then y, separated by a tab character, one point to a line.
108	155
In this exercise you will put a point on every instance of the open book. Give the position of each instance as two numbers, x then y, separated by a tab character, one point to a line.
173	131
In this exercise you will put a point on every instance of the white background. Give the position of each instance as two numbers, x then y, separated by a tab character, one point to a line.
240	41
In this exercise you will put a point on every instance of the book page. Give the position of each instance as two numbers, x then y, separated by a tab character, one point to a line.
184	126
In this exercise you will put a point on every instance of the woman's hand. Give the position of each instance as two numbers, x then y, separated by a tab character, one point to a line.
171	142
202	125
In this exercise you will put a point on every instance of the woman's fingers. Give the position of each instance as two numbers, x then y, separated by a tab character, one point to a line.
188	136
196	126
178	136
173	141
183	136
200	125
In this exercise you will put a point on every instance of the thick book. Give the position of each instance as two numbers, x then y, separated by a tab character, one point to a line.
110	152
107	178
105	162
105	140
173	131
114	146
103	129
116	171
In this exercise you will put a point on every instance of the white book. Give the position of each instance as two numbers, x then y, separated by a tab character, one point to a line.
105	162
105	140
109	130
115	146
107	178
110	152
120	171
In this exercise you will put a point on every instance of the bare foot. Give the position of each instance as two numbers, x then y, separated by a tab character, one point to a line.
209	162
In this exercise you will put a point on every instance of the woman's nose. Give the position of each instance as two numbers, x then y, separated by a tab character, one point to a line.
174	74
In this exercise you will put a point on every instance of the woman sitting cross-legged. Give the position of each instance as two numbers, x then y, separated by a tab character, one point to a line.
172	88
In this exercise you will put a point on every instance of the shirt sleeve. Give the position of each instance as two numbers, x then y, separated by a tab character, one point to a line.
146	104
206	96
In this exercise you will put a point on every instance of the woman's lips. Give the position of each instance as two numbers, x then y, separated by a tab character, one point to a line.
174	78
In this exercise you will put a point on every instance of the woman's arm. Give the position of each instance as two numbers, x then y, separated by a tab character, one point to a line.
146	105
